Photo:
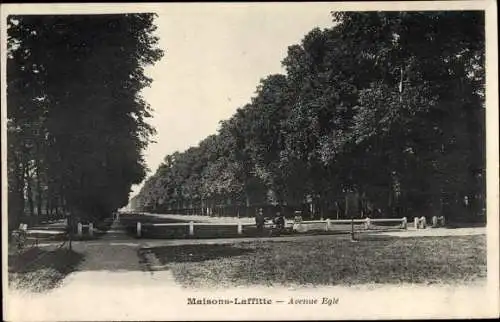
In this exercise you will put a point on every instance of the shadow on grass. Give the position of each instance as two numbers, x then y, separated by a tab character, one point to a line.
337	261
195	253
40	270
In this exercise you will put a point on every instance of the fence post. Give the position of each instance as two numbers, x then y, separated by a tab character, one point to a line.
191	228
404	223
367	223
240	228
139	226
327	224
423	222
416	222
79	229
434	221
91	229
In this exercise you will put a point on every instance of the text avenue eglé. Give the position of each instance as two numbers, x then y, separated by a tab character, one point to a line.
262	301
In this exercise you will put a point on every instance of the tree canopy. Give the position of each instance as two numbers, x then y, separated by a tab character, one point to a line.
388	106
77	121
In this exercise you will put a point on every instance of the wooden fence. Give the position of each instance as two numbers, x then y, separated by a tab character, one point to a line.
327	225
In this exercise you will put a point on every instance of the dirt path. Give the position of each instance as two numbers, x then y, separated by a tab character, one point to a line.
411	232
249	220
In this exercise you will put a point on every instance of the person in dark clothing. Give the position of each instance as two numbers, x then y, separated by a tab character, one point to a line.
280	222
259	221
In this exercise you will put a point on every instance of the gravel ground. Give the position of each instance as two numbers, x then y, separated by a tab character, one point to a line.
411	232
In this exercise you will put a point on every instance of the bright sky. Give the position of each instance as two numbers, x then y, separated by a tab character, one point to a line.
214	59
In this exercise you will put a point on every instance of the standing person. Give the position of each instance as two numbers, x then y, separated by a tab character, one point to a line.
259	221
280	222
298	216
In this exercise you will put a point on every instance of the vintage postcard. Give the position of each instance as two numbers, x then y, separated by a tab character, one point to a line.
250	161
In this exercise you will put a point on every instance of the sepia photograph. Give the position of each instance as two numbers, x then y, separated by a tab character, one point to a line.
250	161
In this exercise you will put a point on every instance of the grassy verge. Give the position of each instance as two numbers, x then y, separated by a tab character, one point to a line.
328	261
38	270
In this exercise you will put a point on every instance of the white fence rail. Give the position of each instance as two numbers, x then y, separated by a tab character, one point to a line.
295	225
80	227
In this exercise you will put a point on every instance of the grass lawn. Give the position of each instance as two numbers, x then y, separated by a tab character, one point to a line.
328	261
39	270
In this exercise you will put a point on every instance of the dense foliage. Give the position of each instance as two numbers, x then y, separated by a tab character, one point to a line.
383	108
76	120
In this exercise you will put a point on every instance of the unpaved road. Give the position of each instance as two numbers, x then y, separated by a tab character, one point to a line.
198	218
411	232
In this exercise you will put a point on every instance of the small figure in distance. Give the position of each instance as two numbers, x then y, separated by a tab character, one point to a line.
279	222
259	221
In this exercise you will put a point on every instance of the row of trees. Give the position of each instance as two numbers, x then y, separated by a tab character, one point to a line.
386	109
76	120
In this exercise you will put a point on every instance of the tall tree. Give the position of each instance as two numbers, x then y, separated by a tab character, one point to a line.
78	78
387	107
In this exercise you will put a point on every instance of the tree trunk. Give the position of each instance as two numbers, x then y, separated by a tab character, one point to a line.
346	206
62	205
247	203
55	207
47	208
16	209
39	193
29	191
